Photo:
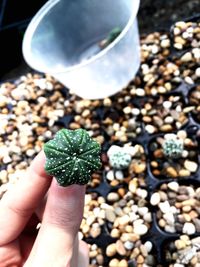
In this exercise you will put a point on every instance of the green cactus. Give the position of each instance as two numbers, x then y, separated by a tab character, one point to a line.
113	34
173	147
118	158
72	156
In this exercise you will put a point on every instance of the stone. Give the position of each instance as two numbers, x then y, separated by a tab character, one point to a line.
190	165
110	175
189	228
164	207
113	197
148	245
129	245
95	231
150	129
140	229
171	172
115	233
120	248
124	220
111	250
110	215
133	184
170	228
119	175
155	199
186	57
140	92
184	173
174	186
122	263
114	263
169	218
142	211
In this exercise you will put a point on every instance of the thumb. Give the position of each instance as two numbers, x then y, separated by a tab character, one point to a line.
61	221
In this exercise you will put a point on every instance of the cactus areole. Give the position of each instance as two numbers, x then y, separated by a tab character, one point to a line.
72	156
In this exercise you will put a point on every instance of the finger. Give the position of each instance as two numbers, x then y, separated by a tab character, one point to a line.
83	256
80	256
60	225
18	204
10	255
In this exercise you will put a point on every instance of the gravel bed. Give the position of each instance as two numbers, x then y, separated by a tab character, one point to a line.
178	208
162	166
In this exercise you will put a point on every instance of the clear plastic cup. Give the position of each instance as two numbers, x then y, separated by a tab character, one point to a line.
63	40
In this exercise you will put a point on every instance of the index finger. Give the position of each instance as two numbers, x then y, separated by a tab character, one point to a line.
19	203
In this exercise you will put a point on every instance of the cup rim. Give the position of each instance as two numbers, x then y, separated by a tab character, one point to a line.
36	21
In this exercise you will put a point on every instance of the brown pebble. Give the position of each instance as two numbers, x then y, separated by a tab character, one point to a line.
171	172
140	259
120	248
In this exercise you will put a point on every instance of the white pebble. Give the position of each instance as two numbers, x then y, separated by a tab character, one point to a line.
186	57
141	193
197	72
150	129
128	245
190	165
174	186
148	245
135	111
110	175
140	229
119	175
142	210
169	218
140	92
189	228
164	207
155	199
189	80
170	228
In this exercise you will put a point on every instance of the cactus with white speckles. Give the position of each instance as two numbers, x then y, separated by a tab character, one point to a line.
118	157
72	156
173	147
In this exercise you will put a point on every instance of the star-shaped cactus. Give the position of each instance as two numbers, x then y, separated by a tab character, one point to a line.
72	156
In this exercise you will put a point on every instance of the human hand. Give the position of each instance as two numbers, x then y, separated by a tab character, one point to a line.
60	211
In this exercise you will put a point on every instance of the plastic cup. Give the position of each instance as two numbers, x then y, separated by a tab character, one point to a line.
63	40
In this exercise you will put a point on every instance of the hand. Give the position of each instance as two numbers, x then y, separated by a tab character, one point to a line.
38	197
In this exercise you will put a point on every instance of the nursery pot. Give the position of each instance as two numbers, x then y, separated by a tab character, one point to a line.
63	40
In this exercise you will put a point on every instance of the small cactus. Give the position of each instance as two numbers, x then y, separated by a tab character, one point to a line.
113	34
72	156
118	157
173	147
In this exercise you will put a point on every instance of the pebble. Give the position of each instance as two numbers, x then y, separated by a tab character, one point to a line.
190	165
140	229
140	92
171	172
174	186
119	175
110	215
123	263
184	173
111	250
113	197
114	263
164	207
150	129
186	57
148	245
189	228
110	175
120	248
129	245
155	199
